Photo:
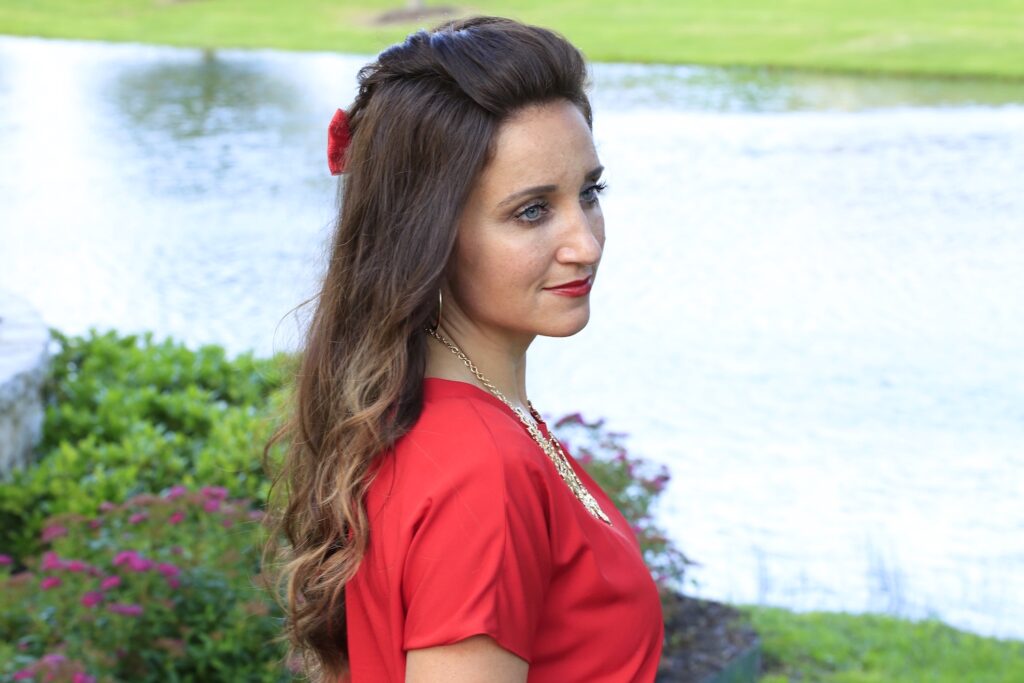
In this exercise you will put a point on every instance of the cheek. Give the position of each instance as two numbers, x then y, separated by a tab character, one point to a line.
480	274
505	276
501	275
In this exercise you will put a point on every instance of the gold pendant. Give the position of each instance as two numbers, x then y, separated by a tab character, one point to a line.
564	469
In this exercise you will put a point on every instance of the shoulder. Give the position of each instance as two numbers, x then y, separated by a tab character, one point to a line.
454	417
464	441
464	432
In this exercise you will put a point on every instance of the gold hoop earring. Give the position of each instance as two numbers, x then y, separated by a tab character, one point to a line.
440	305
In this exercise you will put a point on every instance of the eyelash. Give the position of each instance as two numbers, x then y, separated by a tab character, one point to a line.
597	188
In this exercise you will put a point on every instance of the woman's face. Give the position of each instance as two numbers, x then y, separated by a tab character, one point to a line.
532	222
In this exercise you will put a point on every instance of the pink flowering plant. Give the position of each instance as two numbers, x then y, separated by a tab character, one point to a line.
127	414
160	587
633	484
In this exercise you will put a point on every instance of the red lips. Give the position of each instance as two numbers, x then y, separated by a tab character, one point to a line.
574	283
574	288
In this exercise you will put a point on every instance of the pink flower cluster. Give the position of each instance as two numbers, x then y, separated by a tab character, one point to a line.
138	517
128	610
175	492
214	497
51	562
92	598
135	562
50	665
130	560
215	492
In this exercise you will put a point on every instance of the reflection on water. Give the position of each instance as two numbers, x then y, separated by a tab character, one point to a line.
749	89
175	111
192	99
808	303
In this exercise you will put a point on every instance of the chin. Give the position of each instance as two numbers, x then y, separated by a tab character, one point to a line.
567	326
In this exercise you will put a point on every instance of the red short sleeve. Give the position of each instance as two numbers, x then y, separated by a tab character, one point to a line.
479	560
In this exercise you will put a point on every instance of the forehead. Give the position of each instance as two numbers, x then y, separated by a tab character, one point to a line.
540	144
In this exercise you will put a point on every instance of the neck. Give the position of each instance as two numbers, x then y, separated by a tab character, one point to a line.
501	361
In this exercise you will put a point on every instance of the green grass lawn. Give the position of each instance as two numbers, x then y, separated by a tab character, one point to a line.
829	647
937	37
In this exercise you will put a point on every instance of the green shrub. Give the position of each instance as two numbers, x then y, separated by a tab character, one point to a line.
126	415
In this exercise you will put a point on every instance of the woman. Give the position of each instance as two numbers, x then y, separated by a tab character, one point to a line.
437	531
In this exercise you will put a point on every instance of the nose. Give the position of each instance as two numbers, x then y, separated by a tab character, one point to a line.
583	238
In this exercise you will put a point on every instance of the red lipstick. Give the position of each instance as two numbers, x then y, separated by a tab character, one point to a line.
574	288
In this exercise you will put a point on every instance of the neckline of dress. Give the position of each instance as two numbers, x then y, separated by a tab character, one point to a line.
441	386
434	387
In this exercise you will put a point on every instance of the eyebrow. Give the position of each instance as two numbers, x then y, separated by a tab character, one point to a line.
543	189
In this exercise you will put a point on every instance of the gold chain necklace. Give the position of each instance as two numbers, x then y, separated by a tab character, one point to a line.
551	447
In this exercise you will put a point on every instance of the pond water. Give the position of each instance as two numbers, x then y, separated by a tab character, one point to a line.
809	305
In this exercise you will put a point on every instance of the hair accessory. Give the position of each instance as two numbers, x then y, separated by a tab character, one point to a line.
338	137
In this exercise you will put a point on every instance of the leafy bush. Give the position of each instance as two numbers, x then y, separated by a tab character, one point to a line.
126	415
159	588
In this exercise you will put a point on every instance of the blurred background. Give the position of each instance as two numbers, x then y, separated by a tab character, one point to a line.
810	305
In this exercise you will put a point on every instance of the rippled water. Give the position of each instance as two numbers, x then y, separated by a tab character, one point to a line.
809	305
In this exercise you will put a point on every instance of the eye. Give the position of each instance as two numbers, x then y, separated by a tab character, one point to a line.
532	213
590	194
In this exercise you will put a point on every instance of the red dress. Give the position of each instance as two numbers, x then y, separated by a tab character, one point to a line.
473	531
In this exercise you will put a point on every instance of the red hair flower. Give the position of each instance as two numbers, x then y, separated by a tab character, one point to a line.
338	137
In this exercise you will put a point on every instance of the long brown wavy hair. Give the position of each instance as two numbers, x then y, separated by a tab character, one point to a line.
423	125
